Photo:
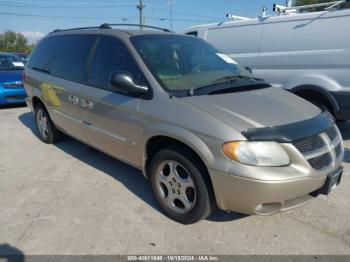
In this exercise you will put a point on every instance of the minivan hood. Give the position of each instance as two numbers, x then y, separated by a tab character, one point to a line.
265	107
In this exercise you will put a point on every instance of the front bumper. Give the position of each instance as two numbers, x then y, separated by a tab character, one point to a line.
342	99
12	96
262	197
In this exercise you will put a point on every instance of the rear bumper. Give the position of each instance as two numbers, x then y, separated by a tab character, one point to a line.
12	96
258	197
343	100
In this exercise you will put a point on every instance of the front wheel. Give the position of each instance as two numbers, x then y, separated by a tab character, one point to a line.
180	185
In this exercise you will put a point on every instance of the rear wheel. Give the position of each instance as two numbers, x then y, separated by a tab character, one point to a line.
48	133
180	186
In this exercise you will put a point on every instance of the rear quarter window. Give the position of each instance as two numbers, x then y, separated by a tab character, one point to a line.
43	54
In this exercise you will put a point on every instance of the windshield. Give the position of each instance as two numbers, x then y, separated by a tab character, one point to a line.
10	62
184	62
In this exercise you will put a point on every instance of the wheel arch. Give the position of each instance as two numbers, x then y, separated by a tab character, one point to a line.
36	101
156	143
159	137
307	91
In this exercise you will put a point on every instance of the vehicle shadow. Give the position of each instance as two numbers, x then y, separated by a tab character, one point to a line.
129	176
9	253
12	106
223	216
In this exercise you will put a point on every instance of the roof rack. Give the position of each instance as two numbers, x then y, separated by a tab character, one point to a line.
291	9
109	26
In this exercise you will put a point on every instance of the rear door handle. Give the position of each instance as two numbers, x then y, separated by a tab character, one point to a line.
86	104
73	99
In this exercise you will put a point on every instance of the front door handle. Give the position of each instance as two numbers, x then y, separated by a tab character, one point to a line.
86	104
73	99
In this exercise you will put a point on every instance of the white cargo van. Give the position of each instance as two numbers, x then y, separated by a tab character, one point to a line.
306	53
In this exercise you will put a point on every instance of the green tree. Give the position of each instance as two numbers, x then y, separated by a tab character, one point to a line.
30	48
13	42
310	2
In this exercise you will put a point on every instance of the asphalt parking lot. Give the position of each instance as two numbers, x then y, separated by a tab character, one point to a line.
71	199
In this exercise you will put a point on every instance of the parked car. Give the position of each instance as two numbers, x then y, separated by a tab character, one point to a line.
201	128
305	53
11	79
23	56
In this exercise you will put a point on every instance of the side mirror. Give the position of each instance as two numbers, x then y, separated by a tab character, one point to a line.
249	69
124	83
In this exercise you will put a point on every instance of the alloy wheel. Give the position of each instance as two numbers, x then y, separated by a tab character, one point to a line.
176	187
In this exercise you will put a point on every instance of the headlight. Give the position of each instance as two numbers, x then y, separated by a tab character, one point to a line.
256	153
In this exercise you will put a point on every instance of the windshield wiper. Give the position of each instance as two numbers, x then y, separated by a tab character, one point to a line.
226	79
226	82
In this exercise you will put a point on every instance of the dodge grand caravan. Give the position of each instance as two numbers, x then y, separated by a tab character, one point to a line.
201	128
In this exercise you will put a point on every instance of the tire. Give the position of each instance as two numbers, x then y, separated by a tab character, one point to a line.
48	133
185	195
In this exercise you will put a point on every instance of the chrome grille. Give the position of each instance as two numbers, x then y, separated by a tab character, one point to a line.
338	150
322	150
320	161
332	133
309	144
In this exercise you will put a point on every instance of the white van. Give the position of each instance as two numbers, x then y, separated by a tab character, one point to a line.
306	53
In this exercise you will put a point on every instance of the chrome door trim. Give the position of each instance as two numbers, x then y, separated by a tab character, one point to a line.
94	128
67	116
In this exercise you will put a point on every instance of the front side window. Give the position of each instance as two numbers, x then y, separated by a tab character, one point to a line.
184	63
112	56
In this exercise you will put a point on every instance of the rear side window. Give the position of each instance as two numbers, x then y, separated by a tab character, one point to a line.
112	56
63	56
71	55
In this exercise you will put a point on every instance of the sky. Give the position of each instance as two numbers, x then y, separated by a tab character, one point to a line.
35	18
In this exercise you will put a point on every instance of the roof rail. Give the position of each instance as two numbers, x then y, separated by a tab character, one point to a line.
109	26
77	28
136	25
